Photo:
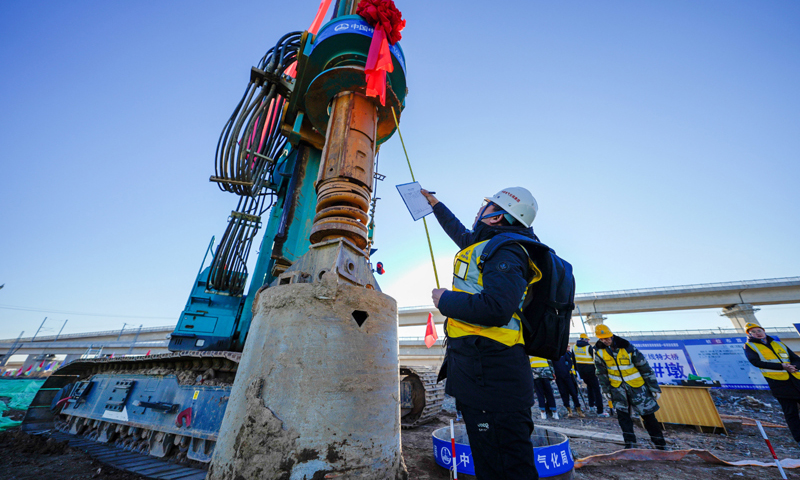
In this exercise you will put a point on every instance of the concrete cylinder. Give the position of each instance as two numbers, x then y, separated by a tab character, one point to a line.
317	391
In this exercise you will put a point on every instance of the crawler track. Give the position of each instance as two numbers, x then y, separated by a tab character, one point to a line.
144	465
422	408
155	435
159	449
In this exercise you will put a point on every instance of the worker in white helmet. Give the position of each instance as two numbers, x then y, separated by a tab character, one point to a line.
781	368
486	366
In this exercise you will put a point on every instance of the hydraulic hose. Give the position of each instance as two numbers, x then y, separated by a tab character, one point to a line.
248	148
250	142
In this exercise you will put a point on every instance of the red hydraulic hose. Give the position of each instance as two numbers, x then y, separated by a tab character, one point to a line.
63	400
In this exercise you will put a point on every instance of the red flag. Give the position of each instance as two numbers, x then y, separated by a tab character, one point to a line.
314	28
430	332
321	11
148	353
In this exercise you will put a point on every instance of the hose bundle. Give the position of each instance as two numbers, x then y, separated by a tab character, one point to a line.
251	142
248	148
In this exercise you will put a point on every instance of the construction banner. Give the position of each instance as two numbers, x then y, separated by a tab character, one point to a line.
723	360
720	359
668	359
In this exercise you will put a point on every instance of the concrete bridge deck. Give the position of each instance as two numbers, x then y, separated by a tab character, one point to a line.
735	298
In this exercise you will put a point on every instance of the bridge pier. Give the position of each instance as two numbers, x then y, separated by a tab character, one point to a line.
594	319
740	315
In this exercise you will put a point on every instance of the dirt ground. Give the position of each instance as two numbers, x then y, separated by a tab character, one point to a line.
27	457
23	457
745	444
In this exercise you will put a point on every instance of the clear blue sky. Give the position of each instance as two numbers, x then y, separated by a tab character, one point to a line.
660	139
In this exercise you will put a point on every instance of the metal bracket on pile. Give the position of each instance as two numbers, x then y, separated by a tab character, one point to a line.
341	256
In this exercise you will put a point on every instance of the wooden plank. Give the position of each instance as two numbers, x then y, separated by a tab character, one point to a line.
588	434
750	422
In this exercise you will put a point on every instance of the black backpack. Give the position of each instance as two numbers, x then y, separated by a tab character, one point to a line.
546	312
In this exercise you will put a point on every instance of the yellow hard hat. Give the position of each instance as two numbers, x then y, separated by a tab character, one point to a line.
583	335
601	331
751	325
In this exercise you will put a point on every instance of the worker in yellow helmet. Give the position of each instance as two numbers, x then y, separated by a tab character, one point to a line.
583	356
627	378
779	365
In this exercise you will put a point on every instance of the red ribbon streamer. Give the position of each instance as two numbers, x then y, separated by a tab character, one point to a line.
388	23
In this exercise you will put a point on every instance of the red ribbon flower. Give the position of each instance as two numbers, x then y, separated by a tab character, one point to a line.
388	23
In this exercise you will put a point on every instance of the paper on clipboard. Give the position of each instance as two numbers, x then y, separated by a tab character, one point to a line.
416	203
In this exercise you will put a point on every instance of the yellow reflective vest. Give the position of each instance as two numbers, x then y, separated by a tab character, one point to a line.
468	278
537	362
775	352
582	355
621	369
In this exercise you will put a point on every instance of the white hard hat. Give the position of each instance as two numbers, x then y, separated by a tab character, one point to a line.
517	202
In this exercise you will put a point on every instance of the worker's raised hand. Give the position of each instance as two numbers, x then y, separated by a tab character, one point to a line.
430	198
436	294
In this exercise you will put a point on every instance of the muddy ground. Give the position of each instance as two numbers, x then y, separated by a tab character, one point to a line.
744	444
27	457
23	457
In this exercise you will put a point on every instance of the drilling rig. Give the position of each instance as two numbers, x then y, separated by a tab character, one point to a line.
305	361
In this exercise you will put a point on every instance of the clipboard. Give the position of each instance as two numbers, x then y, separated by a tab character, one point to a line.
416	203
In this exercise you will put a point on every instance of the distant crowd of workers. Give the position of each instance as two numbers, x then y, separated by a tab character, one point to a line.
617	368
612	366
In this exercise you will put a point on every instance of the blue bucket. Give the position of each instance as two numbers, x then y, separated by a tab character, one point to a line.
551	452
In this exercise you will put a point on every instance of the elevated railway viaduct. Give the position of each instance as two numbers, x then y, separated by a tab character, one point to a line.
739	301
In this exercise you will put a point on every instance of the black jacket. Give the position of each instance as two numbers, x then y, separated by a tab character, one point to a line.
481	372
563	366
780	388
